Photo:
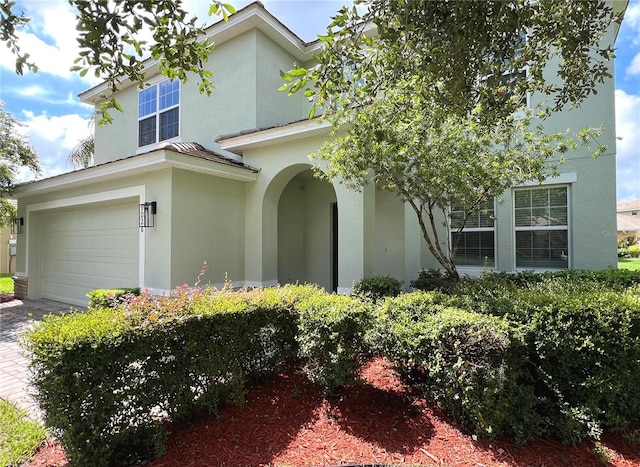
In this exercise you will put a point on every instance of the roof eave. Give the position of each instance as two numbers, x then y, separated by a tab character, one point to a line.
267	137
157	160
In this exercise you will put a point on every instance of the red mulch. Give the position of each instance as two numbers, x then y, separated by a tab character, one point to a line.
287	422
6	297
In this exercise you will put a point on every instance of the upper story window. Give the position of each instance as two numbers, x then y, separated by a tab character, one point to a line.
476	242
509	82
159	112
542	227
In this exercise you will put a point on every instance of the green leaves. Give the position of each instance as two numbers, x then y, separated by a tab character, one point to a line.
15	151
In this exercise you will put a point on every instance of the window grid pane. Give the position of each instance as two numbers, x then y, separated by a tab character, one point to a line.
147	101
147	131
474	248
169	124
169	94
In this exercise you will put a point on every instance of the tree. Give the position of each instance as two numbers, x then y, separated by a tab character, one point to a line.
394	144
82	153
111	44
461	51
15	153
430	104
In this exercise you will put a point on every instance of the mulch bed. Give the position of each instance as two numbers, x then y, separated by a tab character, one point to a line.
287	422
6	297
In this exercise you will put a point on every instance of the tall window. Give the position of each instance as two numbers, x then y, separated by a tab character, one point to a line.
542	227
476	242
158	112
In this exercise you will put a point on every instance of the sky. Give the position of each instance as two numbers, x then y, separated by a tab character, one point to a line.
55	119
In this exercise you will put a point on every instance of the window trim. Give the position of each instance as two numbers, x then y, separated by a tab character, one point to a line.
493	229
157	114
568	227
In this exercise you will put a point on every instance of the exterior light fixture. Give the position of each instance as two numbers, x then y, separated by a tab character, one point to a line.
16	225
148	215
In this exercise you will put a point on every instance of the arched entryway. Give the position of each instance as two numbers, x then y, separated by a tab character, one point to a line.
307	222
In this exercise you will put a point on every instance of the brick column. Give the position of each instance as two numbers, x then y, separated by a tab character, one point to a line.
20	287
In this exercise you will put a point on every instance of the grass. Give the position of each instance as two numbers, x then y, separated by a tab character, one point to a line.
19	436
632	264
6	283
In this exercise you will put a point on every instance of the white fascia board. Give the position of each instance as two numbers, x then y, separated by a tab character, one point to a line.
275	135
132	166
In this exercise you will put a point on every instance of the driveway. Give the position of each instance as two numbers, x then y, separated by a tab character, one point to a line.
15	318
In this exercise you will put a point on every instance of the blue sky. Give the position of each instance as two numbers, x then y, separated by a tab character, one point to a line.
56	120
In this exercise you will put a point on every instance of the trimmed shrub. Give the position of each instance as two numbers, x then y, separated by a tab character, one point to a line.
377	287
109	379
110	298
399	325
634	251
331	339
582	330
586	348
474	365
432	279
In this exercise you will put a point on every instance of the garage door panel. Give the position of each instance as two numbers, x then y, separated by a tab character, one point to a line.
89	248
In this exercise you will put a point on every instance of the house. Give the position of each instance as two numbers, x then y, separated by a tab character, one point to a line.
227	180
628	221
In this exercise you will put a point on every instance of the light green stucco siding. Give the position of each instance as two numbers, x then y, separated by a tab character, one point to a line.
207	225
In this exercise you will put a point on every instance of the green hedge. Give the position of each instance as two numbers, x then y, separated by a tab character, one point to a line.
521	355
108	379
331	337
585	345
474	365
582	329
377	287
109	298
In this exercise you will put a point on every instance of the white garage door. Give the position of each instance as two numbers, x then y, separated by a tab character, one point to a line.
89	248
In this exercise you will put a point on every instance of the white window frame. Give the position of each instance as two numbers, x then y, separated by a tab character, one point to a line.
466	229
157	113
546	228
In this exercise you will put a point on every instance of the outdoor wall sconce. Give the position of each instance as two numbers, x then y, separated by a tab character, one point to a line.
16	225
148	215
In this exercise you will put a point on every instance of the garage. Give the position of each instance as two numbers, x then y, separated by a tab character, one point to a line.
86	248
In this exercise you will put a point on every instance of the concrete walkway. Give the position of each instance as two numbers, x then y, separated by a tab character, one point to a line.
15	318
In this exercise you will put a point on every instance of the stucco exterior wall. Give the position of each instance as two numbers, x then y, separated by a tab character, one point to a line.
207	224
274	106
246	96
389	245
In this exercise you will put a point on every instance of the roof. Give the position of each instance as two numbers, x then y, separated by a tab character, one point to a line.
197	150
628	223
187	156
628	206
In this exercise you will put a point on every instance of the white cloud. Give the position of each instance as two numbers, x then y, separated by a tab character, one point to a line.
632	15
628	156
53	137
634	66
30	91
49	39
